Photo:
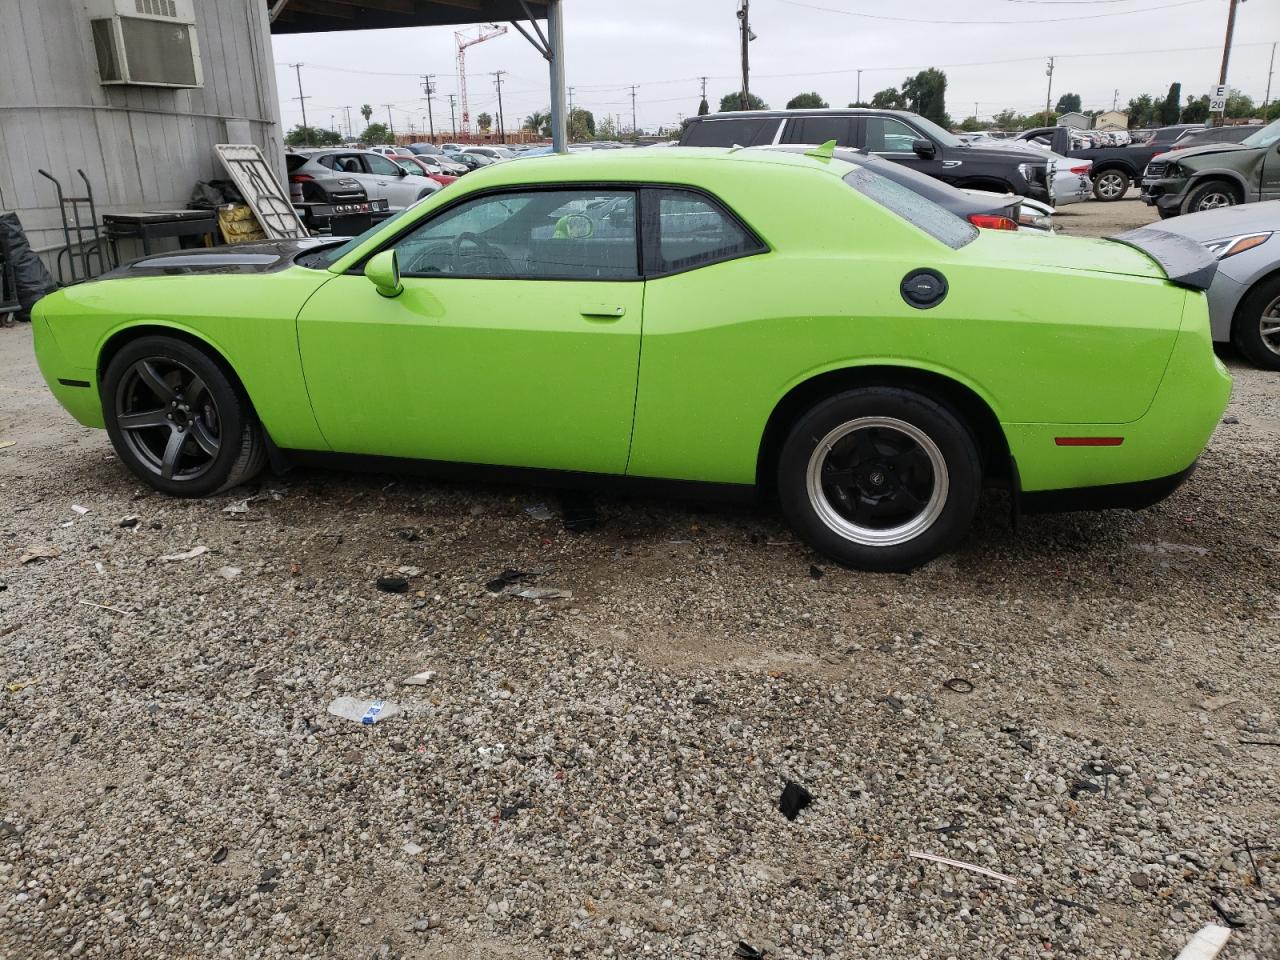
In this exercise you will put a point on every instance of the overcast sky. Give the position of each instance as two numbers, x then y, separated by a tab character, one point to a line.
663	46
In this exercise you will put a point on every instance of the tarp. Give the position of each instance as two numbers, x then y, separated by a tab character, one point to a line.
31	277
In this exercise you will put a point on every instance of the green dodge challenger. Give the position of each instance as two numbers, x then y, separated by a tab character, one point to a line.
746	319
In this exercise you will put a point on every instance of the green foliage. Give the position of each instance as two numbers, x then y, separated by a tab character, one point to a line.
926	94
807	101
1196	110
733	101
376	133
970	124
889	99
860	103
301	136
704	108
1240	105
606	129
367	112
1273	111
539	122
1171	108
582	124
484	122
1142	112
1068	103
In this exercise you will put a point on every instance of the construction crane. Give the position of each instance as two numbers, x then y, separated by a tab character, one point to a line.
483	33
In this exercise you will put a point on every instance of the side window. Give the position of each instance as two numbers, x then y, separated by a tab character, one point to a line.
535	235
745	132
889	135
817	130
381	165
693	232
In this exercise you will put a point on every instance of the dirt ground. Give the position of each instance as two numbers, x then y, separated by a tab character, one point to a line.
1086	704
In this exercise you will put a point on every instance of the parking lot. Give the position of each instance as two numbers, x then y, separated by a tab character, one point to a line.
1086	704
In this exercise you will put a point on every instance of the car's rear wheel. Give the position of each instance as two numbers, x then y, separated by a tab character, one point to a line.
1110	185
880	478
177	420
1213	195
1256	328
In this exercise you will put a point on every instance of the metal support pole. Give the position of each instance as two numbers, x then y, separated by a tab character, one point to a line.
502	136
744	15
555	41
306	131
1266	101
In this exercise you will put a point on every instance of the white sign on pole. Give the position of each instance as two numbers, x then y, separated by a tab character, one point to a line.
1218	99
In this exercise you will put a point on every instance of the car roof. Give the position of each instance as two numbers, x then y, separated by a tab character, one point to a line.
814	112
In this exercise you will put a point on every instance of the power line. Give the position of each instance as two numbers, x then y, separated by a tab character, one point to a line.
1087	16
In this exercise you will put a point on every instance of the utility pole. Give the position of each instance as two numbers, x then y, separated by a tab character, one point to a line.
1226	47
975	109
306	131
1048	96
571	99
429	88
859	98
634	129
1115	98
1266	101
350	132
744	15
391	126
497	79
453	100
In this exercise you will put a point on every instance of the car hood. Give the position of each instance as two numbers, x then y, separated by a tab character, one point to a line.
1204	150
263	256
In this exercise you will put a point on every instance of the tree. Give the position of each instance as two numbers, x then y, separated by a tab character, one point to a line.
926	94
733	101
1005	120
376	133
301	136
606	130
485	122
1273	112
704	108
889	99
807	101
582	124
1240	105
1142	112
971	124
367	112
1196	110
1171	108
860	103
1068	103
538	122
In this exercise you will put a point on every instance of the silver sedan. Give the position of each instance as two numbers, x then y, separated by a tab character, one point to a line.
1244	298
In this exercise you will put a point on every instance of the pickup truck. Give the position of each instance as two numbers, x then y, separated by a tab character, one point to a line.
1115	169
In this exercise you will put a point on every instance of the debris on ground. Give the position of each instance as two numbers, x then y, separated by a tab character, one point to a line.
959	685
794	799
393	584
746	951
229	573
419	679
544	593
973	867
504	580
237	508
1206	944
409	572
1214	704
579	511
22	685
188	555
36	554
78	510
366	712
1230	420
407	534
539	511
816	572
103	606
219	855
128	523
1165	547
6	444
411	848
511	811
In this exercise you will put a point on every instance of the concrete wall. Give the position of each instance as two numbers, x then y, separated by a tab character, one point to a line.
141	147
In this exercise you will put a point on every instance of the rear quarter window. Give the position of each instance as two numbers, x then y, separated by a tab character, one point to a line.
938	222
744	132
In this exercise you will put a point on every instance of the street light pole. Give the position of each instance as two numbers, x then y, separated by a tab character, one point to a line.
1048	95
453	115
429	88
744	15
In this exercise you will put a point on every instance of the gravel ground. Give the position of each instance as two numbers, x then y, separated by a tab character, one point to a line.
599	776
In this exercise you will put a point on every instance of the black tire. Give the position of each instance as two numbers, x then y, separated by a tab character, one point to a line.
1210	195
220	443
881	483
1260	305
1167	212
1111	185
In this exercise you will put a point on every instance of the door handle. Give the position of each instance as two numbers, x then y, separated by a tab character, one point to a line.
604	312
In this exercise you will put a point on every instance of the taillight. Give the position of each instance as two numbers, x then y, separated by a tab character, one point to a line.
300	178
1082	169
989	221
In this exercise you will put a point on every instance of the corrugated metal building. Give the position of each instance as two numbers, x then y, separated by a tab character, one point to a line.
142	147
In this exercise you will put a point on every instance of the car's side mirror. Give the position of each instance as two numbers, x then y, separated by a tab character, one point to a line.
924	149
383	271
401	171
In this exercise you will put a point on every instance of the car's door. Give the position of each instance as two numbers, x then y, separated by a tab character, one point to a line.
352	165
396	185
515	339
1269	187
894	139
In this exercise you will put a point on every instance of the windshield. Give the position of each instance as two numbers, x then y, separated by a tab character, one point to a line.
936	133
323	259
937	221
1264	137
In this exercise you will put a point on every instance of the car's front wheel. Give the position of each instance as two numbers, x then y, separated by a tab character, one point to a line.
880	478
1256	330
1210	196
1110	185
177	420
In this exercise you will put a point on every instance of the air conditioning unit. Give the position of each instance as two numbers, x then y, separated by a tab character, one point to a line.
149	43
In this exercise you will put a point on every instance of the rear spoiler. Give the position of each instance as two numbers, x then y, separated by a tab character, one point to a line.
1184	262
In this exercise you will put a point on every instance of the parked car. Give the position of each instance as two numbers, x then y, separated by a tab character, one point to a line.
1244	298
1114	169
1069	176
380	176
330	203
472	161
439	158
493	153
1235	133
746	339
430	170
1215	175
452	147
988	210
896	135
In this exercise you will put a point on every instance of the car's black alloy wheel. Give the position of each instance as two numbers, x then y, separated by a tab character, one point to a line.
1213	195
177	420
880	478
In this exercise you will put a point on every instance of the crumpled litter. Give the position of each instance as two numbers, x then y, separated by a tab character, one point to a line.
189	555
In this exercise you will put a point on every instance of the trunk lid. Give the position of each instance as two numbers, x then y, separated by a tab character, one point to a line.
1184	262
1035	249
